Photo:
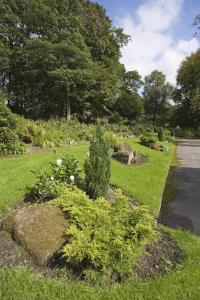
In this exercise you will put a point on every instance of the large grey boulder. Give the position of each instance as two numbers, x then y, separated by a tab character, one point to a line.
39	229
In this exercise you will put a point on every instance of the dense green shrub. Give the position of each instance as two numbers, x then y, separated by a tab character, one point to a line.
64	171
148	141
111	139
67	170
61	133
187	133
28	131
122	145
45	189
97	165
9	142
104	236
161	134
117	143
14	148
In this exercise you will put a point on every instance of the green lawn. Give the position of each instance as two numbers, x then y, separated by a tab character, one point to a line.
146	184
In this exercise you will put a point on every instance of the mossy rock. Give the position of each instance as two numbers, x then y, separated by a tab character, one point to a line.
40	230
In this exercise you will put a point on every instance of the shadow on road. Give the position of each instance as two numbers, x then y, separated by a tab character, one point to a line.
181	199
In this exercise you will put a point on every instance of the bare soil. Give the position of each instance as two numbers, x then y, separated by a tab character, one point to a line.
160	257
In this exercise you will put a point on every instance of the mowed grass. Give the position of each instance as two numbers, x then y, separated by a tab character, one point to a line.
181	284
145	183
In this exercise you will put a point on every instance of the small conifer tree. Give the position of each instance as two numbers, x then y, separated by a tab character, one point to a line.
97	166
161	134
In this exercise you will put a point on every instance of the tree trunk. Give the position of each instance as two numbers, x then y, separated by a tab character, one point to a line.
68	110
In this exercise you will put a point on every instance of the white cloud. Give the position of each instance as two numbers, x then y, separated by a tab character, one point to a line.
153	46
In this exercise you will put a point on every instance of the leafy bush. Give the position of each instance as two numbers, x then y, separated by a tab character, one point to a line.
7	119
122	146
148	141
60	133
187	133
9	143
62	172
117	143
104	236
14	148
111	139
67	170
161	134
97	166
45	189
28	131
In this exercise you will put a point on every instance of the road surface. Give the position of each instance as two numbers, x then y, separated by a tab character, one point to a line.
184	210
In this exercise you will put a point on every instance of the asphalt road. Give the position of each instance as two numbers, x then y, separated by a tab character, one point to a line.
184	210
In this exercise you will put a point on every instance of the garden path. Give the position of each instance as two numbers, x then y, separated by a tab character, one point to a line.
184	210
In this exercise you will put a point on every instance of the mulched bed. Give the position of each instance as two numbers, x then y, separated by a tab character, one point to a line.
161	257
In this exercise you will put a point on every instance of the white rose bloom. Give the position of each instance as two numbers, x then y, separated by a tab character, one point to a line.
59	162
71	177
52	178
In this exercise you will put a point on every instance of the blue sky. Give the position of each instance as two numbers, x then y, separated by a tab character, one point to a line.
162	35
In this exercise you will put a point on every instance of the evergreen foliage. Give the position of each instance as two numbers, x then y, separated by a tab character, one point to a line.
106	237
161	134
97	166
9	142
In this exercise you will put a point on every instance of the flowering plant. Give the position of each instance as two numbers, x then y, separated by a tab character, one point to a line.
62	172
66	170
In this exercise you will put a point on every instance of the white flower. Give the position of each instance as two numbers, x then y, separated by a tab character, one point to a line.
71	177
59	162
52	178
88	153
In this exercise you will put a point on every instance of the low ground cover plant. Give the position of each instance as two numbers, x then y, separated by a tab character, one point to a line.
105	238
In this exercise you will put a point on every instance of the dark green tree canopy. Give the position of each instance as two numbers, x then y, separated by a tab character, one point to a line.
130	103
187	95
59	56
157	95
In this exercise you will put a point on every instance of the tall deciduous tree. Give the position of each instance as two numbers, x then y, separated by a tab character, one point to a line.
157	95
58	56
130	103
187	95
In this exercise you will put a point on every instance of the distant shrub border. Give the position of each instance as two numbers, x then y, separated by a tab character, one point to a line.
9	141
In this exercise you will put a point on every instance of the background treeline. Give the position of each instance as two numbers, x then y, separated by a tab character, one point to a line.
62	57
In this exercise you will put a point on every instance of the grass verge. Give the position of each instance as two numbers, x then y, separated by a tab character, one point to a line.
145	183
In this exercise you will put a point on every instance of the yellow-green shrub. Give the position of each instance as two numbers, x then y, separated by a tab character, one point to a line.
28	131
104	236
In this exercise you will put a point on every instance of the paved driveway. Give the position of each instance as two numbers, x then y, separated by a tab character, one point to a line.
184	210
